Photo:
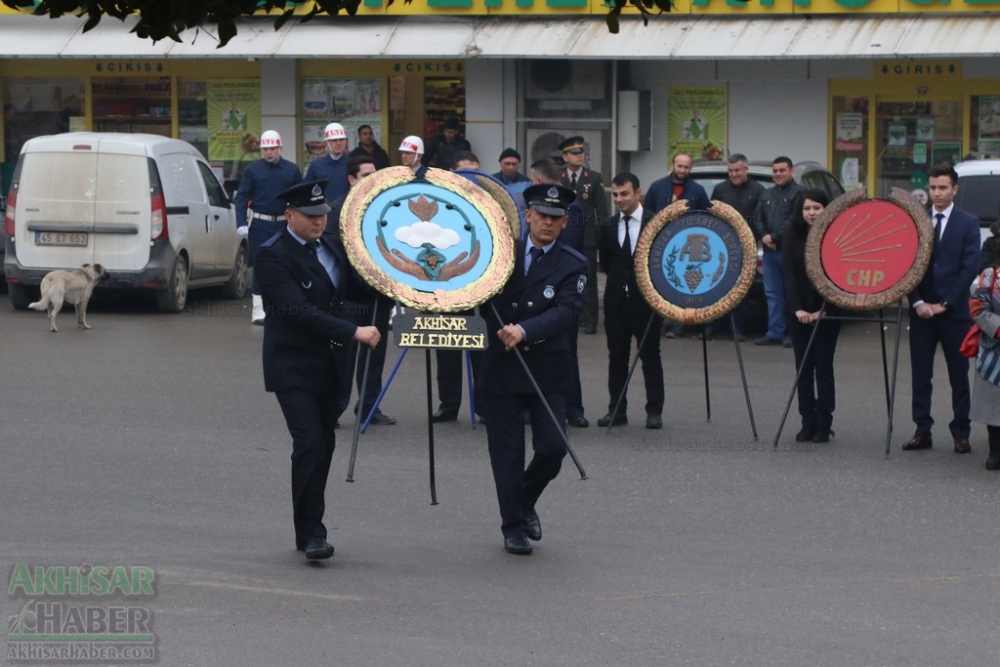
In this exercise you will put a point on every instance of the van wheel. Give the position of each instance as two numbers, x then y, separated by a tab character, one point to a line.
236	286
21	295
174	298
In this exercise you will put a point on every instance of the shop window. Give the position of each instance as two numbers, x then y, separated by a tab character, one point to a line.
33	107
132	105
350	102
911	136
985	125
443	99
850	141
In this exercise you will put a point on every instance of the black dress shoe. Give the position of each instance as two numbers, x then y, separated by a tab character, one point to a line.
444	416
534	527
805	435
606	421
823	435
993	462
654	421
766	340
919	441
382	419
579	422
590	330
318	548
517	545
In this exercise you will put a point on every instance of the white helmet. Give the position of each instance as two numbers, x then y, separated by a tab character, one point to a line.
412	144
270	139
334	131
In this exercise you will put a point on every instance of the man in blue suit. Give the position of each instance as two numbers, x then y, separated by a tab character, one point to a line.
939	311
304	277
537	307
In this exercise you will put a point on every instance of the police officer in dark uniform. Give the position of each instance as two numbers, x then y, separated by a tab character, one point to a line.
537	306
589	189
259	207
303	280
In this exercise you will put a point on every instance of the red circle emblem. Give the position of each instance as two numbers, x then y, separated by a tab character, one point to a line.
869	247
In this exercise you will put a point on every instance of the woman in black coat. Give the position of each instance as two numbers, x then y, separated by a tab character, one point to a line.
804	308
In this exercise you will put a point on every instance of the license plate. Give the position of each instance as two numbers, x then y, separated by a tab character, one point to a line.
60	238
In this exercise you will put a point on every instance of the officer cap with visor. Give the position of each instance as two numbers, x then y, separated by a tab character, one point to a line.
306	197
549	199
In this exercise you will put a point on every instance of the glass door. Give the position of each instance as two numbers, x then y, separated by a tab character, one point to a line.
912	136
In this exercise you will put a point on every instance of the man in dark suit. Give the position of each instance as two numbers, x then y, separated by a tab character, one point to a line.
939	311
626	313
539	302
303	280
588	185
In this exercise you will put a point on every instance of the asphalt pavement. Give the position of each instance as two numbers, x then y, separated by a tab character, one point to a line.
149	440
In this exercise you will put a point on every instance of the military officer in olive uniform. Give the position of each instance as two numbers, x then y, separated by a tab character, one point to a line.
537	307
589	189
304	277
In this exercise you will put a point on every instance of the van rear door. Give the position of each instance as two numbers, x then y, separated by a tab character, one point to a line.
55	207
122	207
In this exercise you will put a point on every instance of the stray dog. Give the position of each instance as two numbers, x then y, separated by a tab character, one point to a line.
73	287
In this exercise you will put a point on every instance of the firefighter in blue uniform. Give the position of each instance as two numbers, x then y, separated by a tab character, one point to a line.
259	206
537	306
332	167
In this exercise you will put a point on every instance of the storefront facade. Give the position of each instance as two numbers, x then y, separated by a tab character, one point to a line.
876	90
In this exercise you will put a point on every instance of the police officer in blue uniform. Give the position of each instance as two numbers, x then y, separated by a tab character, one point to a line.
332	167
304	279
259	207
537	307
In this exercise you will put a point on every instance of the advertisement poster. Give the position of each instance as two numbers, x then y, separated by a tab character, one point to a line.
696	121
897	134
989	123
850	132
350	102
234	123
946	151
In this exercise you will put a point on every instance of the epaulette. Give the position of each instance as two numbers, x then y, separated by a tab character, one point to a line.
271	241
579	256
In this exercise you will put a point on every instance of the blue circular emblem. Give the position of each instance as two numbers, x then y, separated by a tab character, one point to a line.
696	261
440	243
428	237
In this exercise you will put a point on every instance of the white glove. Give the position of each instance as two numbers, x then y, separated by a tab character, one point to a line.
242	231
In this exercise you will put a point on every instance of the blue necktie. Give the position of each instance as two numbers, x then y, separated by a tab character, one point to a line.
536	254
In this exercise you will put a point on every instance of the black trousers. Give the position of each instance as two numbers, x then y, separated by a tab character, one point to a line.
588	314
518	488
449	378
310	419
621	327
574	392
925	336
816	388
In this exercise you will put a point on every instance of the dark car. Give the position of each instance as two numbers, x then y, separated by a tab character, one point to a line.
807	174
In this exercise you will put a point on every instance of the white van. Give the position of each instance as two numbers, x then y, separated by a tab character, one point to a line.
148	208
979	191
